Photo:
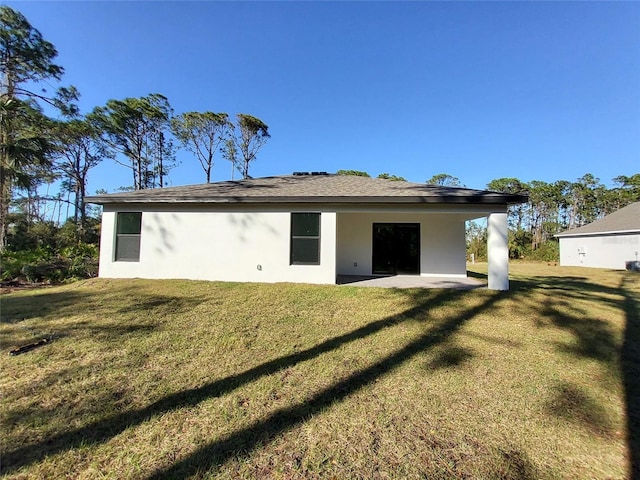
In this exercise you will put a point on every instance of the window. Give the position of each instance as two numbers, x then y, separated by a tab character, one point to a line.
128	226
305	239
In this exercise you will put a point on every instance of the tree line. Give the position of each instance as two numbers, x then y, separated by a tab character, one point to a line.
39	153
554	207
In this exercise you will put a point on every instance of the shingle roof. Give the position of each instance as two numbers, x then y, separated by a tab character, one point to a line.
326	188
626	219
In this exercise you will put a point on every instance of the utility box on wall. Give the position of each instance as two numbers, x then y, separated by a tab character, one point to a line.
633	266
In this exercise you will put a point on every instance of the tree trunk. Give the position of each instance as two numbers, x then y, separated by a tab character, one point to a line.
7	94
160	155
5	180
5	198
82	208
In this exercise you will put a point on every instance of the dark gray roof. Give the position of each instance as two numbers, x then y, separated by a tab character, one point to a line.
310	189
626	219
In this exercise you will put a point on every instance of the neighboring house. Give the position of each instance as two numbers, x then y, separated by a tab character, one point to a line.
305	227
610	242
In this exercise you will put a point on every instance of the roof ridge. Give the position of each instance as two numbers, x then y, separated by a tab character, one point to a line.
310	188
625	219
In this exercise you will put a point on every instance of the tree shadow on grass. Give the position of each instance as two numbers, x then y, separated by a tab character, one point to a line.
631	371
450	356
595	339
574	404
571	287
280	421
60	303
18	309
146	313
210	456
264	431
515	465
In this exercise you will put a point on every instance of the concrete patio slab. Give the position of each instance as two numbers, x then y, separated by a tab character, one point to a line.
410	281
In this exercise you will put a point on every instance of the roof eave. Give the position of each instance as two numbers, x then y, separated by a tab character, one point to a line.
592	234
435	199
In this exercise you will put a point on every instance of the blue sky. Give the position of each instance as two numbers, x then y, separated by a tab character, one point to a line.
542	91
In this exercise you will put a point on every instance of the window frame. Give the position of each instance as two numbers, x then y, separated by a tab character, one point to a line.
118	236
293	238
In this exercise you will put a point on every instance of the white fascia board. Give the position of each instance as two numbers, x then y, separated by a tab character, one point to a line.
471	211
595	234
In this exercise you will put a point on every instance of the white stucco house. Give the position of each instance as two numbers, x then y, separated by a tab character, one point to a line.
305	227
610	242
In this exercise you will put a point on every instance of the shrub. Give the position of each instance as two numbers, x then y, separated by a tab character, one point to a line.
43	265
51	270
12	262
549	251
83	260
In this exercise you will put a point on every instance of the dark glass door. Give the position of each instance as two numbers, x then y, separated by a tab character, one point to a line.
396	248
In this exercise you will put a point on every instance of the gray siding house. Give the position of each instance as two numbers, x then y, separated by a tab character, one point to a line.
610	242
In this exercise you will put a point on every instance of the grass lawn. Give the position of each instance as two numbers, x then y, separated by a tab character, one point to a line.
177	379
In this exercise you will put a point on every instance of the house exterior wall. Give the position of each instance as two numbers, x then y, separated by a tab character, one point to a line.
442	241
600	251
236	245
248	243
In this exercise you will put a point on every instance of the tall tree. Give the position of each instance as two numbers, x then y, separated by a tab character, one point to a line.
476	238
445	180
25	146
356	173
519	238
163	159
626	191
584	200
512	186
388	176
249	136
230	152
202	133
26	60
136	129
79	149
546	202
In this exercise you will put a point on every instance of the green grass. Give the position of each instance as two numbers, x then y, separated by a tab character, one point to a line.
179	379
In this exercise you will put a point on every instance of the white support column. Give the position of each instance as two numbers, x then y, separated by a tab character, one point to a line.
498	251
328	246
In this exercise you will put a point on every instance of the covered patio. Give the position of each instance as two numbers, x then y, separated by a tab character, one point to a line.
417	245
410	281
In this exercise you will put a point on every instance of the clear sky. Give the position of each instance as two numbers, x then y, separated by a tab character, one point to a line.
542	91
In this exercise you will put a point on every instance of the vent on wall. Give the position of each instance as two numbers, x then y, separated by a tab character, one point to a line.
300	174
